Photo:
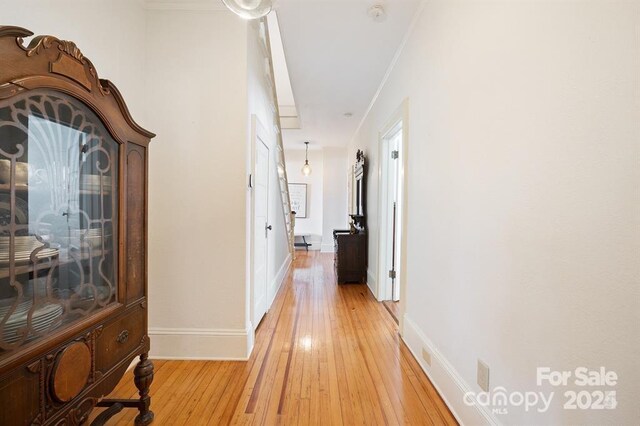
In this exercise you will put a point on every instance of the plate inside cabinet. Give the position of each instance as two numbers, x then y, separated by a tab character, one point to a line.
5	210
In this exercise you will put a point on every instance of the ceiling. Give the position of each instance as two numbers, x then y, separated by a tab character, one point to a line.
337	57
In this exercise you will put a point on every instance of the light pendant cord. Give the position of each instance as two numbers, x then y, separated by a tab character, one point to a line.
306	169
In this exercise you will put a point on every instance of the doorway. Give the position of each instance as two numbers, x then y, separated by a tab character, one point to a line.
392	213
261	226
392	207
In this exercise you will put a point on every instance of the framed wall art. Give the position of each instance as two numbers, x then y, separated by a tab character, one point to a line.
298	196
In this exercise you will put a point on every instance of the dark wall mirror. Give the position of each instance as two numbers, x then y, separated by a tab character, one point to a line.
358	208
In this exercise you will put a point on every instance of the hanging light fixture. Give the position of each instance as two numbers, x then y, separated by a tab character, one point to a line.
306	169
249	9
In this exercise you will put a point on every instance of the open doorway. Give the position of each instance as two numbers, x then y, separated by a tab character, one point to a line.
391	208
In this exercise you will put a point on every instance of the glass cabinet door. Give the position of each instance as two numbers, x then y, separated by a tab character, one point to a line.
58	216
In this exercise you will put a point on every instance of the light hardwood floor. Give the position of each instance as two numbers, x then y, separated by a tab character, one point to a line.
393	308
324	354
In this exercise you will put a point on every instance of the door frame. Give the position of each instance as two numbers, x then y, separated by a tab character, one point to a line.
389	176
258	134
400	118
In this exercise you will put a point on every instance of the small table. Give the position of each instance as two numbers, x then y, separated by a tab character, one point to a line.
304	242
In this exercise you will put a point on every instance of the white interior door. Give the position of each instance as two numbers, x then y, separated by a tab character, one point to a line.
261	229
397	237
393	214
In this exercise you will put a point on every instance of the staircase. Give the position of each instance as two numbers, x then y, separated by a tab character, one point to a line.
282	171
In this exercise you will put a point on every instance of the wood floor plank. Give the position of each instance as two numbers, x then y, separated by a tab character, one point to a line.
396	385
324	354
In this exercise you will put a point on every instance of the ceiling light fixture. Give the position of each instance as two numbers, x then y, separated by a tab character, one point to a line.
249	9
377	13
306	169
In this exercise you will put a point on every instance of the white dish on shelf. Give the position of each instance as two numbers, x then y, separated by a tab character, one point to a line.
21	307
22	245
88	232
94	183
95	179
91	237
41	319
24	249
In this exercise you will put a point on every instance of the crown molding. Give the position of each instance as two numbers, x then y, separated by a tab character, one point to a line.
196	5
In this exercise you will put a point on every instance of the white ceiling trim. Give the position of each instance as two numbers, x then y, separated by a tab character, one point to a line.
391	67
197	5
286	98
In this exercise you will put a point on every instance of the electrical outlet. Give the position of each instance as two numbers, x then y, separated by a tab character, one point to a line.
483	376
426	356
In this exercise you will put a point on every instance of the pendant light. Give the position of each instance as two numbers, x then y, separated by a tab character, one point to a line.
306	169
249	9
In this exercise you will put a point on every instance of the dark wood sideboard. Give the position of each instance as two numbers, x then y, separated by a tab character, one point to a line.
351	246
350	256
73	238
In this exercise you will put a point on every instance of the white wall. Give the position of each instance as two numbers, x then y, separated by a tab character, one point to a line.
312	225
523	201
212	145
261	105
197	98
334	202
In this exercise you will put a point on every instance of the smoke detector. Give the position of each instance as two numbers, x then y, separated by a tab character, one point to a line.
377	13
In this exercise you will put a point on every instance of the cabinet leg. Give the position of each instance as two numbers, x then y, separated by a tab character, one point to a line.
143	377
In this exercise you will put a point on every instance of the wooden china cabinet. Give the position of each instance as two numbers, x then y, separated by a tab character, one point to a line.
73	238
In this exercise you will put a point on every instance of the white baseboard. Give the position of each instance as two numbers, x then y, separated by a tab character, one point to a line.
450	385
277	281
371	282
201	344
327	248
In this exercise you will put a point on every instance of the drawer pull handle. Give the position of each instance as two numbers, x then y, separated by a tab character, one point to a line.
123	336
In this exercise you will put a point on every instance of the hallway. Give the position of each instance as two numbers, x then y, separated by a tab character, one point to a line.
323	353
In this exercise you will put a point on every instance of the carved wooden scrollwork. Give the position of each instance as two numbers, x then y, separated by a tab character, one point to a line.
98	331
35	367
45	42
71	372
79	415
38	420
46	369
63	64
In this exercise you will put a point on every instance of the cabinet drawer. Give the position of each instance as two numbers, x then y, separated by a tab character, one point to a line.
119	338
